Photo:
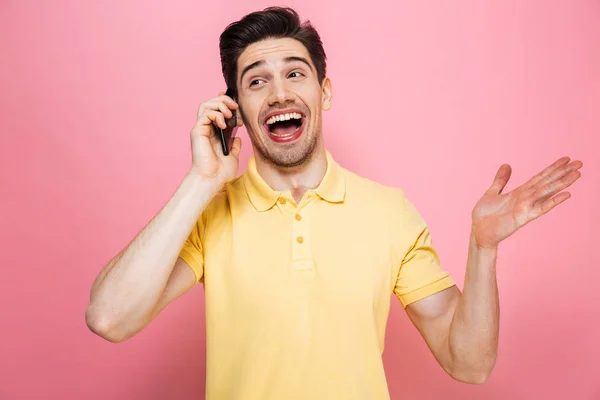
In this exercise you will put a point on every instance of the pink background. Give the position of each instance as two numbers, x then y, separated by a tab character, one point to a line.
97	102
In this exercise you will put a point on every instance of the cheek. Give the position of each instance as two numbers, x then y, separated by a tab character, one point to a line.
248	116
252	123
250	110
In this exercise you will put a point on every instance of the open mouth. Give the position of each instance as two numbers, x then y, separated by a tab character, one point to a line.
285	127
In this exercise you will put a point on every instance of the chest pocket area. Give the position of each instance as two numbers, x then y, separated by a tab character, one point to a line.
355	267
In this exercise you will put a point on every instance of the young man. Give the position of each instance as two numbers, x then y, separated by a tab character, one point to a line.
298	256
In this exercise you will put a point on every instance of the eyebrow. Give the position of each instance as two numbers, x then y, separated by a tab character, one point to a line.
287	60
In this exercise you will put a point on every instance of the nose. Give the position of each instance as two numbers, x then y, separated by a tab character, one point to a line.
280	93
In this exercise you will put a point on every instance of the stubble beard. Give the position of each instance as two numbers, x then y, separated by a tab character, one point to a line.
297	155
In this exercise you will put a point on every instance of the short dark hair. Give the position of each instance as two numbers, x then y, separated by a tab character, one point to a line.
271	23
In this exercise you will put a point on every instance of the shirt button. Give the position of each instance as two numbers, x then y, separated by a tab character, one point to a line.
298	217
300	239
282	201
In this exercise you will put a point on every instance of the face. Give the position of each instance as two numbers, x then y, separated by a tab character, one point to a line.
281	100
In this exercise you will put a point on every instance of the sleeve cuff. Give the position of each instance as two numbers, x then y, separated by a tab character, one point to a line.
193	263
427	290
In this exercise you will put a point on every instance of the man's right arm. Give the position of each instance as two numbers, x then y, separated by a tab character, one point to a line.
147	275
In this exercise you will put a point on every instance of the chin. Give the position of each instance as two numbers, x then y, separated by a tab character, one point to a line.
295	150
292	154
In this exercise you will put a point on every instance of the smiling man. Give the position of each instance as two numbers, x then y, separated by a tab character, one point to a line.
299	257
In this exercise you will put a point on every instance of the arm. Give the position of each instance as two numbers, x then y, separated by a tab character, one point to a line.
127	293
144	277
462	330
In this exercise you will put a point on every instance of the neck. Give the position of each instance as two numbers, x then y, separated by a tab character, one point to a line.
298	180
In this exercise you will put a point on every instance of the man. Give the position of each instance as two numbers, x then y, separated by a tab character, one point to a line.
298	256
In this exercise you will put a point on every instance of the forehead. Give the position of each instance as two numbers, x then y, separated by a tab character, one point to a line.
271	51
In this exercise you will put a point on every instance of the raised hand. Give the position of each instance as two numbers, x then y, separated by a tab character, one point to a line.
208	159
496	216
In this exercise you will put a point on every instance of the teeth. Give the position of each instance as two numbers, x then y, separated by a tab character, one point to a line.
283	117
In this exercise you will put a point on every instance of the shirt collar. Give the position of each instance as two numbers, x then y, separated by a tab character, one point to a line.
332	187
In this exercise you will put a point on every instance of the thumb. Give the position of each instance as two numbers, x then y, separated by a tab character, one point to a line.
501	179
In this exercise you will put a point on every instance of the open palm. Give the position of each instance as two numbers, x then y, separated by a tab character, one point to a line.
496	216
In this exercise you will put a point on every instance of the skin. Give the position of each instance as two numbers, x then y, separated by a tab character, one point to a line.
461	329
276	85
147	275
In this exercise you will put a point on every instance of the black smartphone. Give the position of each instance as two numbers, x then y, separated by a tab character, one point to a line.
227	135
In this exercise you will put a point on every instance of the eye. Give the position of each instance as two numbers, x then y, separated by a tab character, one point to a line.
255	82
296	74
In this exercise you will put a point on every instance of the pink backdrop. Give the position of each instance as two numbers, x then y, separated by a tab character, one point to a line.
96	106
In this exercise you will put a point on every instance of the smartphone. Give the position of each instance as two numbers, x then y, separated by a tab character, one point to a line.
227	135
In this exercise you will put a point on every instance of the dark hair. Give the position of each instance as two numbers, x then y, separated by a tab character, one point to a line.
272	22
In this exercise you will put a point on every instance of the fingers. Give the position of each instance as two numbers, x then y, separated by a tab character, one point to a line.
212	104
558	184
215	111
548	204
218	106
211	116
557	180
559	173
501	179
221	103
561	162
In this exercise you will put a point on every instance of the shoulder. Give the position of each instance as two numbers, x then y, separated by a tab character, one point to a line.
391	201
220	204
369	191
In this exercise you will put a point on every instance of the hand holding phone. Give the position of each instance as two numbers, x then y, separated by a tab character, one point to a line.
227	135
208	159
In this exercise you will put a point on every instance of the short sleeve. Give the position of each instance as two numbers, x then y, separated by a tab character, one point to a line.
192	251
420	274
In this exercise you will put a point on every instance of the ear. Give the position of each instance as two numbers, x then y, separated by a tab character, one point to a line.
240	115
327	94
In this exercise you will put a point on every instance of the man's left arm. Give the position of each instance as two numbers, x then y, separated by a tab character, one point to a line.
461	329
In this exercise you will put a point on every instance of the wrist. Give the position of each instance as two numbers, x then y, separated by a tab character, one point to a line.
482	246
482	238
204	184
481	258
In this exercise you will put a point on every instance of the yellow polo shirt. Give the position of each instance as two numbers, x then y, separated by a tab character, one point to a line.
298	295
